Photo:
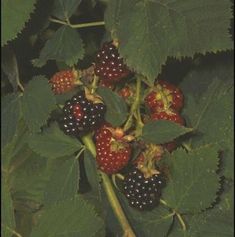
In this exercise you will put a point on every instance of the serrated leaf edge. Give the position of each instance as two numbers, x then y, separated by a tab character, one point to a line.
219	178
23	26
54	106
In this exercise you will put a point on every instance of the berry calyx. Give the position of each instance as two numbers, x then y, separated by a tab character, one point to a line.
81	115
146	159
64	81
142	193
109	66
112	154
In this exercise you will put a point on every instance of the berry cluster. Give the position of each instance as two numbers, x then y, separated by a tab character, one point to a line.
113	152
85	112
81	115
109	66
164	102
142	193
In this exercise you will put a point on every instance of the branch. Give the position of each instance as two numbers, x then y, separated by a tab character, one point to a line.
135	104
114	202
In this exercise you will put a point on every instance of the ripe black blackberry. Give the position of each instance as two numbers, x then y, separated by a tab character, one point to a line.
142	193
109	66
81	115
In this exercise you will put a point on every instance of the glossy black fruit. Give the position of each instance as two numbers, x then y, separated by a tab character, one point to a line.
81	115
142	193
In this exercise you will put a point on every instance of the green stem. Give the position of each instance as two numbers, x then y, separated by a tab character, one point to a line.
135	104
58	21
94	84
120	176
128	232
76	26
175	213
90	24
12	231
186	146
20	85
164	203
181	221
139	124
169	215
79	153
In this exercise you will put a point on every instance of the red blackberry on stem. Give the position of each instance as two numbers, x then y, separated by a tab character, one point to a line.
64	81
113	152
164	96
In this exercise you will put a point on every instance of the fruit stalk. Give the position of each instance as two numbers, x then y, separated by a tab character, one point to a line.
128	232
135	104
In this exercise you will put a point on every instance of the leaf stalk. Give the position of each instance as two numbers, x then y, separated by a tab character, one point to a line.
181	221
77	26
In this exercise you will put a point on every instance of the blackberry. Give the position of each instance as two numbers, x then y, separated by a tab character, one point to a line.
81	115
142	193
109	66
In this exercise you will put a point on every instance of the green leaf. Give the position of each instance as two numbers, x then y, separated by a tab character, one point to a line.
16	145
116	107
63	182
28	181
193	182
10	67
95	195
24	222
37	103
150	223
10	117
68	218
64	9
212	224
215	222
14	148
65	45
62	98
154	30
92	175
14	16
7	211
209	108
163	131
53	143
